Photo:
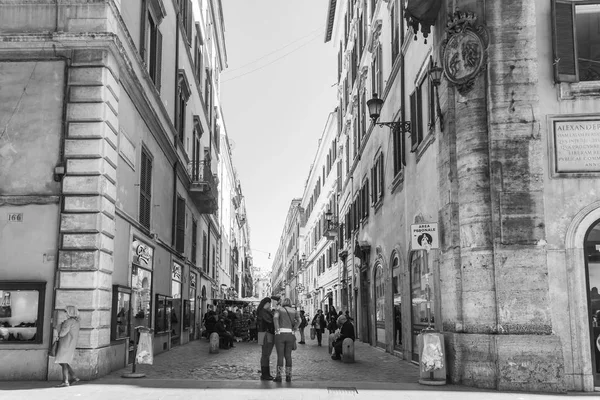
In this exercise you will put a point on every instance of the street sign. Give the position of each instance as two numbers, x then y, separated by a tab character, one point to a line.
425	236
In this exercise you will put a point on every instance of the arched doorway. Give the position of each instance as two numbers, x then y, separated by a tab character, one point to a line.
592	258
397	301
379	290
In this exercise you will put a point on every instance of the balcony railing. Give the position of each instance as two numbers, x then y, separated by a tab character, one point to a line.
203	186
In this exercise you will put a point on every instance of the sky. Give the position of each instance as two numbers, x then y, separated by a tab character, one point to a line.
276	94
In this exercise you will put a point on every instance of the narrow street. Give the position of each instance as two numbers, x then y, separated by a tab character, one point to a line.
310	363
190	372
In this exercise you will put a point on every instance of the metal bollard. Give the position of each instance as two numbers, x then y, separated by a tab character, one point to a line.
214	343
348	350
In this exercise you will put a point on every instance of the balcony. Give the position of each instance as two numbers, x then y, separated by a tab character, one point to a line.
203	187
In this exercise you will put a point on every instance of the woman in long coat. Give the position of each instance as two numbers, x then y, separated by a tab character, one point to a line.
68	334
266	337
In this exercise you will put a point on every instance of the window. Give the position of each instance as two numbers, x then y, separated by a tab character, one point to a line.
141	291
164	305
398	148
194	240
364	197
377	179
151	41
376	78
145	188
199	56
121	307
362	115
395	27
180	226
421	112
214	262
183	89
380	306
576	40
204	252
22	312
187	16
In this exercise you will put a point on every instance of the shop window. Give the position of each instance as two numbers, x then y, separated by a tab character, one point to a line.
193	293
176	283
141	289
380	306
121	308
164	305
576	40
422	291
21	312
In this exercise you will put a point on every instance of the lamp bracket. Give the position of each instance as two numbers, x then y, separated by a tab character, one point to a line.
405	125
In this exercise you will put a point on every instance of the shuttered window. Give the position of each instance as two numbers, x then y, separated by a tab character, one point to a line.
151	44
399	152
204	252
145	188
395	25
180	226
194	240
565	61
377	181
198	62
575	40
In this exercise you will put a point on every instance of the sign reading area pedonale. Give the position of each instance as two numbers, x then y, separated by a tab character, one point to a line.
577	145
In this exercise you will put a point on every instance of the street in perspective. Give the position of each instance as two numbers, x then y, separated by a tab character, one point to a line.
299	199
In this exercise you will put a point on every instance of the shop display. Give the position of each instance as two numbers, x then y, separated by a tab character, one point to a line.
18	315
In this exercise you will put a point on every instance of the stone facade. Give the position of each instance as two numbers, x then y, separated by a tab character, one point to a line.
507	284
89	94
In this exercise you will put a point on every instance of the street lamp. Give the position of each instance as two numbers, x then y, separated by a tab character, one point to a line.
435	74
375	105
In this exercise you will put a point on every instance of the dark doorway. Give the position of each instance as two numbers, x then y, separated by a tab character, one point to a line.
592	250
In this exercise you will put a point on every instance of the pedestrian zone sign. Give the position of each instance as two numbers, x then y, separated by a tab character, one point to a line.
425	236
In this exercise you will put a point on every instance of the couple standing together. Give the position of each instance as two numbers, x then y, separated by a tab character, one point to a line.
276	327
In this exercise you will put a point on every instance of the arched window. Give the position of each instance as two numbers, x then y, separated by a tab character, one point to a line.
380	306
592	252
397	293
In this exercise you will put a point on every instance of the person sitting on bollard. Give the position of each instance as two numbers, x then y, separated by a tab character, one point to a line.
346	332
221	329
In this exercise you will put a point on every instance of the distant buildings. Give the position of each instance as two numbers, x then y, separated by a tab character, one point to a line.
117	188
466	198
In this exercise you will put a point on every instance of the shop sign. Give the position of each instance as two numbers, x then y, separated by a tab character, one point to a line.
142	254
577	145
176	272
424	236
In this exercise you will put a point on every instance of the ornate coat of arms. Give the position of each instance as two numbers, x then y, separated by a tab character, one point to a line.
463	53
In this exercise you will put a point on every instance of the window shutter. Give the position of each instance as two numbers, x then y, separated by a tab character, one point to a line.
180	234
564	44
381	182
158	59
188	27
143	22
194	240
145	189
413	121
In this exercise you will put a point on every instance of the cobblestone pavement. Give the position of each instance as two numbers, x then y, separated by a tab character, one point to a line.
310	363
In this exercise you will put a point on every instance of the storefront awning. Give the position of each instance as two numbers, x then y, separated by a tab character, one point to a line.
422	13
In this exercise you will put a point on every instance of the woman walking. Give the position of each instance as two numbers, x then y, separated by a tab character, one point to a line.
67	335
319	324
286	320
303	324
266	332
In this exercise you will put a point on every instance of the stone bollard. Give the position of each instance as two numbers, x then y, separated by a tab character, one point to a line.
331	339
214	343
348	350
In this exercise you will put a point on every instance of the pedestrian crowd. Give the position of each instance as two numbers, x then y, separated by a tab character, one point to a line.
236	324
277	324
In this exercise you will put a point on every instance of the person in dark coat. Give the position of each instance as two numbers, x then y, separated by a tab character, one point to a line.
266	337
319	324
303	324
221	329
346	331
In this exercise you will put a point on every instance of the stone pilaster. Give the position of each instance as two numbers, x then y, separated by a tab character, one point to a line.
87	225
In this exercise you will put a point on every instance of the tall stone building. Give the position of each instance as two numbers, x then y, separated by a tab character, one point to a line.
468	185
110	132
